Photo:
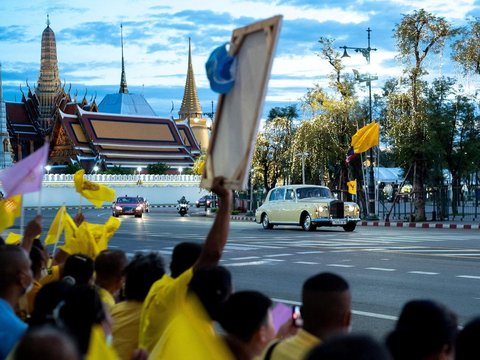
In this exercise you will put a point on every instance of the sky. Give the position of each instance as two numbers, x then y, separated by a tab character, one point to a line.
156	36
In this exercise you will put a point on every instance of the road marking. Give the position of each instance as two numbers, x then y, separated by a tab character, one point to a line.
278	255
246	258
306	262
423	272
355	312
340	265
379	269
469	277
310	252
249	263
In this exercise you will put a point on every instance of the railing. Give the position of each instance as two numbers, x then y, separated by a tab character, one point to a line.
121	179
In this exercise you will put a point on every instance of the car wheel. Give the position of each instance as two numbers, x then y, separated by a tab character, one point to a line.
266	222
307	224
350	226
138	215
115	215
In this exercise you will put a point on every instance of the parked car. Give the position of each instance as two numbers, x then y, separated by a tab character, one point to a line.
210	200
309	206
128	205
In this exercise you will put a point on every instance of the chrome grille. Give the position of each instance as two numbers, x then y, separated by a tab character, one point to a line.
337	209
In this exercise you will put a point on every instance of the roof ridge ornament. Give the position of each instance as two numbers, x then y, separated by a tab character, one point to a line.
123	79
48	20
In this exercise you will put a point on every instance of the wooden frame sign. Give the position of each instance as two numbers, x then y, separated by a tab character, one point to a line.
237	118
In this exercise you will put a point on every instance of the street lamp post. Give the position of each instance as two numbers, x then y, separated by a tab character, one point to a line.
303	154
368	79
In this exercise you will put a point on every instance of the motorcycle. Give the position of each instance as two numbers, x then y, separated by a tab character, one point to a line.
182	207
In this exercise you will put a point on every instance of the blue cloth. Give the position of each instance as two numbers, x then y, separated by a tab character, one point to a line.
220	69
11	329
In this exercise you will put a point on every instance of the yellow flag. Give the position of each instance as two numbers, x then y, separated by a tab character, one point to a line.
13	239
97	194
56	228
352	187
366	137
10	209
98	348
190	335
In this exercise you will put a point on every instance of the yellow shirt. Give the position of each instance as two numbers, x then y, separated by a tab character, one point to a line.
190	335
295	347
126	322
162	300
107	298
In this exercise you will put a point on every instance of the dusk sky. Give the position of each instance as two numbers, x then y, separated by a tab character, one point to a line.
156	43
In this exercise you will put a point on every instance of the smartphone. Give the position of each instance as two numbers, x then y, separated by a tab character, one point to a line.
296	316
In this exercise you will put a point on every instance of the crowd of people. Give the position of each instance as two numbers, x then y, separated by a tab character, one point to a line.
76	307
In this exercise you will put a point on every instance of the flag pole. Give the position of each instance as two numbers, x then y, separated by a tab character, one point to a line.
58	233
39	206
22	214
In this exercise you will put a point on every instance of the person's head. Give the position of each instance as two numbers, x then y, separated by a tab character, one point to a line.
326	305
39	260
466	347
424	328
82	309
80	268
212	286
109	268
15	273
46	343
46	301
142	271
184	255
247	316
349	346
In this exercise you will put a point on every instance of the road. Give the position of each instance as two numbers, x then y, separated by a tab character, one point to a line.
385	266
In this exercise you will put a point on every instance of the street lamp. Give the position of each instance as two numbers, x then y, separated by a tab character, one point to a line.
303	154
139	170
180	169
368	79
95	169
48	168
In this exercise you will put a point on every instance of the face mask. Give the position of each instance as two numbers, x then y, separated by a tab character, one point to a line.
44	273
29	288
109	339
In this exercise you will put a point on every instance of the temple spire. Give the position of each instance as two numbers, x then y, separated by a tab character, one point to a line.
123	80
48	20
190	104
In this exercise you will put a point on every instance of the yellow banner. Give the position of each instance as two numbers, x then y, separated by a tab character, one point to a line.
352	187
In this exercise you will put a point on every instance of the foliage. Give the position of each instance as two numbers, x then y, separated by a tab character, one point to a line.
199	164
157	169
71	168
118	170
466	50
290	112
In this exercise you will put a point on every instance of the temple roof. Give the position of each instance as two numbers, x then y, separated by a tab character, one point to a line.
190	104
126	104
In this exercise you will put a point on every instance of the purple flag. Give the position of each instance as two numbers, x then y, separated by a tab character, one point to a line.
26	175
280	314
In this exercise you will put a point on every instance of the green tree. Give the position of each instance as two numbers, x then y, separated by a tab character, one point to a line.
417	35
466	50
118	170
158	168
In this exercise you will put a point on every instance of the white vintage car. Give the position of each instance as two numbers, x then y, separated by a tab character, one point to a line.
309	206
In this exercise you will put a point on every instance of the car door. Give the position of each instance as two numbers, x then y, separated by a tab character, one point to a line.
290	213
274	204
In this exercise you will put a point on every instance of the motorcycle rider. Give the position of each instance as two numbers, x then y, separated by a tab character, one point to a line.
183	200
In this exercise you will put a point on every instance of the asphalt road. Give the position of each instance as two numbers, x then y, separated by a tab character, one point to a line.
385	266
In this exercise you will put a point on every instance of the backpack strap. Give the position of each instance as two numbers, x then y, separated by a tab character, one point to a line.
269	352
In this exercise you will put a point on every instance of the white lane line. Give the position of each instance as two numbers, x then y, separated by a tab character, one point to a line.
340	265
469	277
423	273
248	263
379	269
306	262
273	260
246	258
278	255
310	252
355	312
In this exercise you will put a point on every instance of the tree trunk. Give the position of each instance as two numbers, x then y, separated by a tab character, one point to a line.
418	191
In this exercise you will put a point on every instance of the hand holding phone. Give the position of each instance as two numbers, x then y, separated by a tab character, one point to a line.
296	316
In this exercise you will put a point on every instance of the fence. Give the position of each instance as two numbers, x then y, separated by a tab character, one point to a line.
441	203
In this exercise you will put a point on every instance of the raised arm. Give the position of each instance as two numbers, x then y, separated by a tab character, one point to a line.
32	230
217	237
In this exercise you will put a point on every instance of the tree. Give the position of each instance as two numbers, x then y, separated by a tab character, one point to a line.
417	35
466	50
158	168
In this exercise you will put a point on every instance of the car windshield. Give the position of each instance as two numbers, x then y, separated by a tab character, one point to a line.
313	192
126	200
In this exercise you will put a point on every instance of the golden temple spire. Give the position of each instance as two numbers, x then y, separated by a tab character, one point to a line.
190	104
123	80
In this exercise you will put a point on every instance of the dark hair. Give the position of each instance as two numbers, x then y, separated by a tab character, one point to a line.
81	310
46	343
184	255
349	346
213	286
79	267
37	257
423	328
466	347
12	259
110	265
46	300
325	282
244	312
142	271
